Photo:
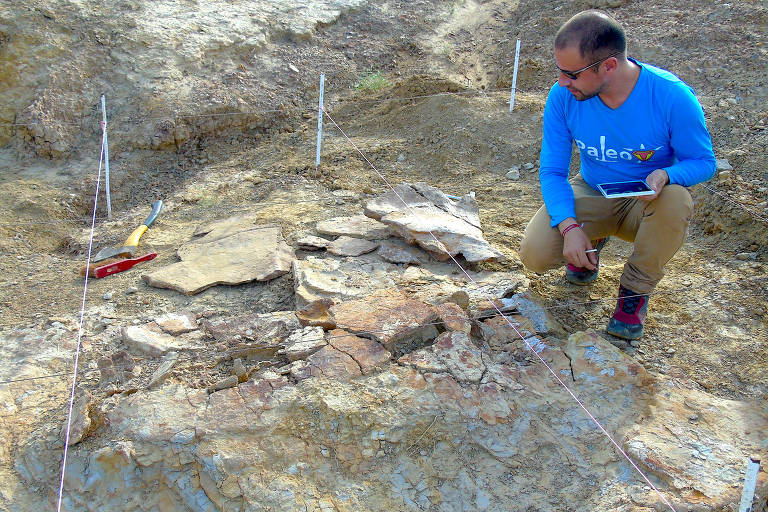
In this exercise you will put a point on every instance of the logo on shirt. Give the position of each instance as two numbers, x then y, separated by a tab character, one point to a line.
608	154
643	155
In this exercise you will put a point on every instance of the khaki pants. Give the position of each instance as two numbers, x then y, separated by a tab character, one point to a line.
657	228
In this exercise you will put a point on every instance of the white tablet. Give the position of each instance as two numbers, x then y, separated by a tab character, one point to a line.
625	189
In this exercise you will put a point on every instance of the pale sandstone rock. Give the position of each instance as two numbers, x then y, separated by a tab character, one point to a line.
348	246
438	282
389	317
358	226
266	327
177	323
302	343
81	419
278	441
238	370
226	255
153	343
456	224
162	371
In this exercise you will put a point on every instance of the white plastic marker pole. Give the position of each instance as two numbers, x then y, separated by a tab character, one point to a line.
106	155
514	77
320	120
750	482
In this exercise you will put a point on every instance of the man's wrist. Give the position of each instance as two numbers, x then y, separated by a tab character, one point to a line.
566	223
569	228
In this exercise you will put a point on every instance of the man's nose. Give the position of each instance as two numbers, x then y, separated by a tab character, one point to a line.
563	81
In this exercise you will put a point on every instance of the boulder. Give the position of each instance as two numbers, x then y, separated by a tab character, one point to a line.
455	224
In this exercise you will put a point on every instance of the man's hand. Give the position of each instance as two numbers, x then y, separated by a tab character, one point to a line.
575	246
657	180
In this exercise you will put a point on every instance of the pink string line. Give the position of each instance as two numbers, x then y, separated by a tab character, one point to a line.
80	326
490	300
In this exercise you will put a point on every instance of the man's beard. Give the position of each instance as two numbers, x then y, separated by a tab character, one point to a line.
580	96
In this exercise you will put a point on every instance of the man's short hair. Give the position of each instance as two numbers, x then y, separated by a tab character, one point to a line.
595	34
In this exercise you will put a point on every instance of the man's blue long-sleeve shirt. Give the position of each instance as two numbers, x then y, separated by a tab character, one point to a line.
659	126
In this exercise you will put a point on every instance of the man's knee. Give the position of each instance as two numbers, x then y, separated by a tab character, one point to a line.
676	203
530	255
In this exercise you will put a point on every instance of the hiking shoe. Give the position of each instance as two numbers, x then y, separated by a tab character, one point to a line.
582	276
629	316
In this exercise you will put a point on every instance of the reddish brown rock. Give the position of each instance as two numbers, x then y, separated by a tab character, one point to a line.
460	355
503	332
327	362
316	314
389	317
367	353
453	317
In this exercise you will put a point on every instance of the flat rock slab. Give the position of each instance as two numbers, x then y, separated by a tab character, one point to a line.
454	318
340	280
389	317
456	224
358	226
230	253
254	337
348	246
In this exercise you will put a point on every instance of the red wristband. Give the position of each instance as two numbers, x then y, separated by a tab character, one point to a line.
572	226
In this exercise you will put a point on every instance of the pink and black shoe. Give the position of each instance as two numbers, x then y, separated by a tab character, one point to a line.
582	276
629	317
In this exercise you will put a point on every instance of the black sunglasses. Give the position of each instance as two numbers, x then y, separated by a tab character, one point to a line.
573	75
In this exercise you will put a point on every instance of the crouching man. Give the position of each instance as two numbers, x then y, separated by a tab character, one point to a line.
630	121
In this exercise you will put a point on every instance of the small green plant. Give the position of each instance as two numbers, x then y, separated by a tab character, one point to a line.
372	81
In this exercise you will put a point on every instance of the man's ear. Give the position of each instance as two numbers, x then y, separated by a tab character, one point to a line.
611	64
